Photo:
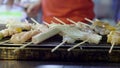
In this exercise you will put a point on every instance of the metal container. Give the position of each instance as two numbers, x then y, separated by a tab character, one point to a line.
84	53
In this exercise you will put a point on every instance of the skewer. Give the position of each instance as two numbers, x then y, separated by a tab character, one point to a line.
76	23
4	42
21	47
53	22
71	21
46	23
89	20
77	45
60	21
35	21
111	48
26	21
58	46
86	24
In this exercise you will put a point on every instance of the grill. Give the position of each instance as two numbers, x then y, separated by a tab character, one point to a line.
86	52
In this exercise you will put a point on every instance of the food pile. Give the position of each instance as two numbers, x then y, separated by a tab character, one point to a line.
26	33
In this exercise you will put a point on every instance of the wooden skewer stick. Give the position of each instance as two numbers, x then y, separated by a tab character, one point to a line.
77	45
58	46
26	21
60	21
35	21
76	23
46	23
111	47
21	47
86	24
71	21
4	42
89	20
53	22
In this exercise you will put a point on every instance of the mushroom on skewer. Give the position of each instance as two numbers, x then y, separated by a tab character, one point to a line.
100	27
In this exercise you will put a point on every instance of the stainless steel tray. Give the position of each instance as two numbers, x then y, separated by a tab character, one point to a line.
42	51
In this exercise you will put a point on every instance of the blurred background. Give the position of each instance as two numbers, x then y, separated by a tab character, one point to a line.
107	10
104	10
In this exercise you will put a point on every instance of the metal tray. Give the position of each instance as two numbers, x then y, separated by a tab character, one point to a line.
84	53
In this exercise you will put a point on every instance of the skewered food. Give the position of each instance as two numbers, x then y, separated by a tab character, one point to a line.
82	26
38	26
25	36
114	39
100	27
9	32
23	26
73	33
106	27
22	37
45	35
70	33
66	38
77	34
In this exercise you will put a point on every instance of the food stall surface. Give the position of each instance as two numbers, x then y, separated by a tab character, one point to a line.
40	64
42	52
